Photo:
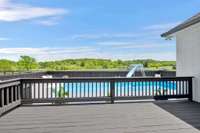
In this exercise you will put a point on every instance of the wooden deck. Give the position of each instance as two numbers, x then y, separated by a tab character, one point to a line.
142	117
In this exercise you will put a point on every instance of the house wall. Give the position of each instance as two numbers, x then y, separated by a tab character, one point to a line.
188	56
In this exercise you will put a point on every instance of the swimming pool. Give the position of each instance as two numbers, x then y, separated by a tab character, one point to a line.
101	89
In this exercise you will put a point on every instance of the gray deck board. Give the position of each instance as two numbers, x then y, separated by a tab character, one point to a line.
145	117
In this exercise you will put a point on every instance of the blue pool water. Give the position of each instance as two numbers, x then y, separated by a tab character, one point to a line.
121	88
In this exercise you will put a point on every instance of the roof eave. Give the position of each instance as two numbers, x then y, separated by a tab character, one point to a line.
167	35
180	27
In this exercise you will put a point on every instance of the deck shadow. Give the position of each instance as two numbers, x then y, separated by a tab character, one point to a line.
86	103
187	111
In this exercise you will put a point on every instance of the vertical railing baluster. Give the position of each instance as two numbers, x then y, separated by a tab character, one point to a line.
16	92
39	94
99	87
80	89
190	97
105	89
135	94
128	88
121	93
17	87
84	89
182	88
47	94
186	87
141	88
124	88
7	95
72	89
92	87
153	88
167	87
25	91
174	91
108	89
76	84
19	92
171	88
63	87
176	87
100	91
43	90
131	88
179	84
150	88
2	97
156	87
30	90
145	85
51	89
112	91
34	90
160	87
56	89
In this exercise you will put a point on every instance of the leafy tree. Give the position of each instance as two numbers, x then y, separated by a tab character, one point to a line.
145	64
27	63
174	67
7	65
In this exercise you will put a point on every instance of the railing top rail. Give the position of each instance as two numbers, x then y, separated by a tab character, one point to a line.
8	83
104	79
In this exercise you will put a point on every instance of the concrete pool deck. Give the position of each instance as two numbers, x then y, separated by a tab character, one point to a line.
138	117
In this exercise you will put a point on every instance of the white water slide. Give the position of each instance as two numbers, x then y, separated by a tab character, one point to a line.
135	68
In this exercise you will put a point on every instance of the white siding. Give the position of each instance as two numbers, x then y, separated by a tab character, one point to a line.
188	56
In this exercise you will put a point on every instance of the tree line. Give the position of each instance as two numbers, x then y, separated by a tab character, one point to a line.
27	63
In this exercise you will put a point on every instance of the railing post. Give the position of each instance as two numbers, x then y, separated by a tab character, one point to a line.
190	89
112	91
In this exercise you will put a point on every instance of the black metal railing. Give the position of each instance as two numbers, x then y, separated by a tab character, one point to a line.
9	95
104	89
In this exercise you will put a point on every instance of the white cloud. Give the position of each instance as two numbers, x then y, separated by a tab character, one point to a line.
135	45
104	35
46	53
162	55
11	11
43	50
3	2
42	54
4	38
151	31
162	27
48	22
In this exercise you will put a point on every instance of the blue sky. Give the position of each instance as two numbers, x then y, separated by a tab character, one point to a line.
112	29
